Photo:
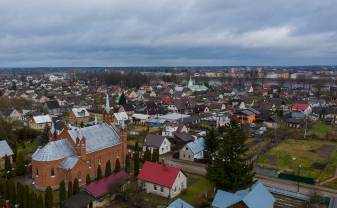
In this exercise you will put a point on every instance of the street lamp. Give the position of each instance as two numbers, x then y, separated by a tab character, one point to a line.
298	182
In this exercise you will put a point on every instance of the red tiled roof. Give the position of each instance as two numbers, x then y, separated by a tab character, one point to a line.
158	174
101	187
300	106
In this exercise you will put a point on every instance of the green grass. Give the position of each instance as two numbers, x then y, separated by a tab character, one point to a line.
320	129
28	147
304	152
197	189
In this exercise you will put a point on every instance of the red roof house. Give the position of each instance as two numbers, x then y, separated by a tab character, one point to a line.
301	107
162	180
100	187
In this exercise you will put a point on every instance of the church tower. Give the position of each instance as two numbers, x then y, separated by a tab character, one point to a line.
123	136
190	83
107	115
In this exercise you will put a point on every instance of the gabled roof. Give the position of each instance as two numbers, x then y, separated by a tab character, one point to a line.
153	140
5	149
52	104
54	150
158	174
42	119
256	196
121	116
197	145
80	112
100	187
97	137
69	162
179	203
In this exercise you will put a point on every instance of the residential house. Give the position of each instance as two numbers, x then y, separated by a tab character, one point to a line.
158	142
12	115
5	150
40	122
97	193
169	129
257	196
120	117
52	107
302	107
162	180
193	150
79	115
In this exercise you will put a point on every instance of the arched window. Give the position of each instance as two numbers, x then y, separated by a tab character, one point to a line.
52	172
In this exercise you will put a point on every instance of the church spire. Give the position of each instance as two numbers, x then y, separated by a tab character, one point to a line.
107	104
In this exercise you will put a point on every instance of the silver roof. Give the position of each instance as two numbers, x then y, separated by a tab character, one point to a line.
97	137
5	149
197	145
54	150
69	162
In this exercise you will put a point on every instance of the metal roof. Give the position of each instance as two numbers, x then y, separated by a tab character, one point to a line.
5	149
42	119
54	150
179	203
197	145
69	162
97	137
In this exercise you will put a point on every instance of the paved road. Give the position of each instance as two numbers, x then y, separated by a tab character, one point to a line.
305	189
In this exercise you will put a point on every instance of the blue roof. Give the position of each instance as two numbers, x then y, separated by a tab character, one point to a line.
5	149
179	203
54	150
69	162
197	145
256	196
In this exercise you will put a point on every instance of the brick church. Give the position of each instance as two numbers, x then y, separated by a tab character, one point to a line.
74	152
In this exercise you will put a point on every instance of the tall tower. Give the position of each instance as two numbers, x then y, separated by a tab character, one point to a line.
107	116
190	83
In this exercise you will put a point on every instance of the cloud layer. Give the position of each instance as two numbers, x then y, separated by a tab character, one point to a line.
167	32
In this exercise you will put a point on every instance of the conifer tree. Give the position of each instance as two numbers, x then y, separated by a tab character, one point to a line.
137	146
155	155
48	198
136	163
127	163
62	192
19	194
107	168
76	187
20	168
99	172
117	166
87	179
70	189
8	166
229	168
39	203
147	154
26	197
12	192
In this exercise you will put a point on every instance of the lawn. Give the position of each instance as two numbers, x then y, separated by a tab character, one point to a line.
306	152
320	129
28	147
197	189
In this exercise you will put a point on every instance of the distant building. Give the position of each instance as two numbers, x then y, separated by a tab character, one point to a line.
193	150
40	122
79	115
196	88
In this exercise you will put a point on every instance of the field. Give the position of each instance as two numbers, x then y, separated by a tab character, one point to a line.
318	159
320	129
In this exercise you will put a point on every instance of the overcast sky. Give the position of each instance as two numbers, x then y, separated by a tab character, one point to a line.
167	32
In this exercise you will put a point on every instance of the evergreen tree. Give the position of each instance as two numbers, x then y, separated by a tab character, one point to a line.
108	168
39	203
155	155
147	155
136	163
211	142
62	192
87	179
122	99
127	163
228	168
48	198
117	166
82	124
32	199
26	197
8	166
12	191
99	172
70	189
44	139
20	165
76	186
136	146
19	194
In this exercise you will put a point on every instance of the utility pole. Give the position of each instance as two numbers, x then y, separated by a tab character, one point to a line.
306	126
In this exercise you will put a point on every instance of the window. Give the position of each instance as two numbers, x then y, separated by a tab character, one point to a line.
161	189
99	161
37	172
154	187
175	189
52	172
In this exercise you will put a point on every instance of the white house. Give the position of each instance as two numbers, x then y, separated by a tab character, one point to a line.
159	142
170	129
40	122
193	150
162	180
120	117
